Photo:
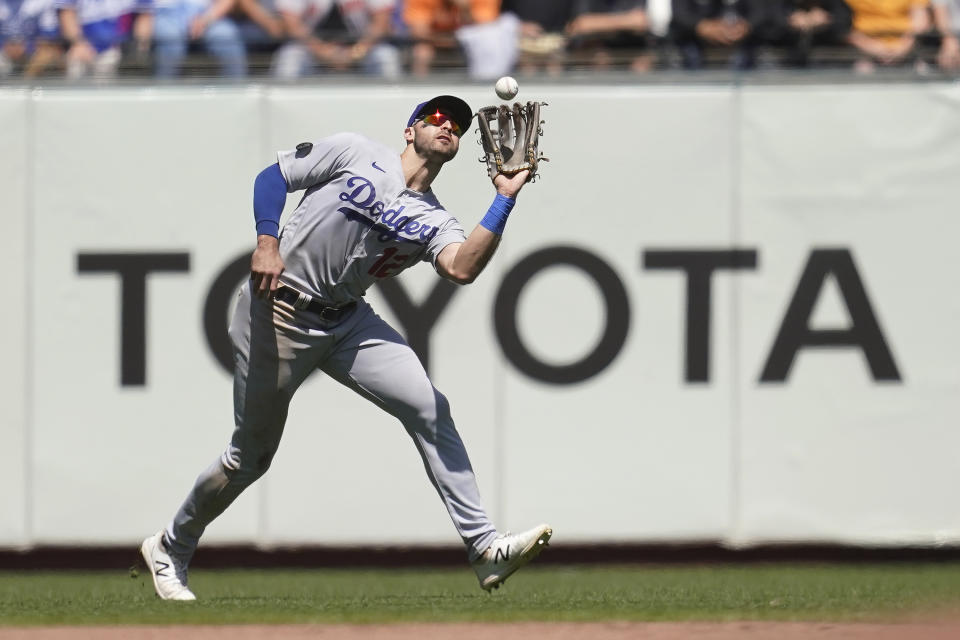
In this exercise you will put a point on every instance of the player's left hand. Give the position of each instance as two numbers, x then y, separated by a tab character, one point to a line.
510	185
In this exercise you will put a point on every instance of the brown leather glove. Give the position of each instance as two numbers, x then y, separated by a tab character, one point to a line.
510	137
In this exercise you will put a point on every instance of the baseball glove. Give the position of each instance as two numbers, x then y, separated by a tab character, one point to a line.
510	137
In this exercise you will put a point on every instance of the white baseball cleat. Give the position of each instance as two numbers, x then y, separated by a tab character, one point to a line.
169	574
508	553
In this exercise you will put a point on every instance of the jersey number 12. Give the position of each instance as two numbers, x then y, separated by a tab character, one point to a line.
382	268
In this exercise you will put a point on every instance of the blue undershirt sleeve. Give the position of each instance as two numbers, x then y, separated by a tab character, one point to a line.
269	197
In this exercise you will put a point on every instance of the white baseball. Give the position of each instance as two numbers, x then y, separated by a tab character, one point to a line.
506	87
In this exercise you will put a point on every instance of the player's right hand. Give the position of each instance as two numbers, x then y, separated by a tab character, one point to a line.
266	266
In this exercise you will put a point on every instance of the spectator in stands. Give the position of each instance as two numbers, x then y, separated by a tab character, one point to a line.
733	26
885	33
178	23
799	25
95	31
946	16
542	39
260	25
487	37
336	35
612	29
28	36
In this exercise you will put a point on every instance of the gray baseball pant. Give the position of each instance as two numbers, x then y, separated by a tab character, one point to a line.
275	348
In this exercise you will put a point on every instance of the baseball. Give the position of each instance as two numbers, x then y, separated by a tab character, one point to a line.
506	87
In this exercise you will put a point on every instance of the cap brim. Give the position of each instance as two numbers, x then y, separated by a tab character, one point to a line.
457	109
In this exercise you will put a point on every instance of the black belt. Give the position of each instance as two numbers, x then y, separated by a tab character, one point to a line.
301	301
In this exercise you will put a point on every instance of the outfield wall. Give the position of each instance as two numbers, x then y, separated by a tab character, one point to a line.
724	314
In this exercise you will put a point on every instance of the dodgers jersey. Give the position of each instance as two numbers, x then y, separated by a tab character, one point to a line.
357	222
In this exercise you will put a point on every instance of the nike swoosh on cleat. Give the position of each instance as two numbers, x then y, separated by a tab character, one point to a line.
378	168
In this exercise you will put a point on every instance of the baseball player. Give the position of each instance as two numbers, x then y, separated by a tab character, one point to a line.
367	214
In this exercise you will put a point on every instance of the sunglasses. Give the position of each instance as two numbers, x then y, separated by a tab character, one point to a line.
437	119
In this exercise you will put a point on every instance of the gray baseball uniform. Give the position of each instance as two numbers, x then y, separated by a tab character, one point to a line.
356	224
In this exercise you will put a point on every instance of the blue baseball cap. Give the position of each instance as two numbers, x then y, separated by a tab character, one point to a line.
458	110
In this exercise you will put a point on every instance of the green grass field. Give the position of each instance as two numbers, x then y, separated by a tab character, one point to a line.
576	593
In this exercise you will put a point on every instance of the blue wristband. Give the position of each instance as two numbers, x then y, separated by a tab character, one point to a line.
496	217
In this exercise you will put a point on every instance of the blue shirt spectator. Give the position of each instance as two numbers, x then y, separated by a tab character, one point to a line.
105	23
260	25
96	30
178	23
28	35
27	20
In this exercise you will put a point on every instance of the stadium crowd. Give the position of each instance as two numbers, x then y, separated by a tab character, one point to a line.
289	39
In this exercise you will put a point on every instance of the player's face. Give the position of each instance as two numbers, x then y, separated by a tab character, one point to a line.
437	136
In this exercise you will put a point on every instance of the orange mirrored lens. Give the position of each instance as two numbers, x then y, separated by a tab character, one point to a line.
437	119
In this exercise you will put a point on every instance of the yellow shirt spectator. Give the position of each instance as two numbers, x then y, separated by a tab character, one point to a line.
885	19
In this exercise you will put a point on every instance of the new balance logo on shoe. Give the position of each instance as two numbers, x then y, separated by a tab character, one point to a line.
507	553
168	572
